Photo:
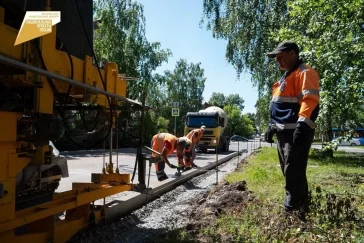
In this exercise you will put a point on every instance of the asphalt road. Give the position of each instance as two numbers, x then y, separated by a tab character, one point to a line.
80	166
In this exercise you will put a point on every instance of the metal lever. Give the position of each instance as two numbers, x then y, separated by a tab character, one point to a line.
141	168
151	150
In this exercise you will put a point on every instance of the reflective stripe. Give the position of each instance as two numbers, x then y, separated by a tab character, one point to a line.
307	121
284	126
308	91
285	99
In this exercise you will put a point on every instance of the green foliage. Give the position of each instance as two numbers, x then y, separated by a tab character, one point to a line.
217	99
262	116
328	33
220	100
238	124
336	199
331	42
120	38
252	117
185	84
262	170
247	26
162	124
247	126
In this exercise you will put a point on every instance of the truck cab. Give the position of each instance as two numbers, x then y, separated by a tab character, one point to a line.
215	122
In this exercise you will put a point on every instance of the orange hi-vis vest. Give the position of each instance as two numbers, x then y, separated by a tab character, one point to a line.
295	98
191	136
164	139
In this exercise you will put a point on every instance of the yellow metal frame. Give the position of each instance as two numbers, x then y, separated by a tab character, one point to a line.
58	62
41	221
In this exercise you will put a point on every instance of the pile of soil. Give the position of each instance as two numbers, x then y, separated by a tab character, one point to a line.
206	208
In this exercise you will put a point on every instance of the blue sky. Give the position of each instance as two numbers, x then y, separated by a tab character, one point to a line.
175	24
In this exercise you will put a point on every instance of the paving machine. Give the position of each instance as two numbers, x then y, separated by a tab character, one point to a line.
37	78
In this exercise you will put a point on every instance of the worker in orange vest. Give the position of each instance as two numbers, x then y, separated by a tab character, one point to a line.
190	155
293	112
166	144
187	151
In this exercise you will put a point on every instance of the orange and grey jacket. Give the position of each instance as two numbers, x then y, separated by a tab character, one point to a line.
191	135
161	140
295	98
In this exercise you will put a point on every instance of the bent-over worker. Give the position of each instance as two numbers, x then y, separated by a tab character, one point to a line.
195	136
166	144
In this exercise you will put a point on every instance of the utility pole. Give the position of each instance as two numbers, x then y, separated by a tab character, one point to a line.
175	126
175	113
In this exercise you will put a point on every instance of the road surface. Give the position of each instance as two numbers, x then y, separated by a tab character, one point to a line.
80	166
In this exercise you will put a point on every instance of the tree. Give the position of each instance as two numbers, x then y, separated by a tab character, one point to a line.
328	33
220	100
238	124
236	100
234	120
249	28
120	38
185	84
217	99
263	116
252	117
247	126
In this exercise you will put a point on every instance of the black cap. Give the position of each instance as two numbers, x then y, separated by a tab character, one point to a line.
183	143
282	47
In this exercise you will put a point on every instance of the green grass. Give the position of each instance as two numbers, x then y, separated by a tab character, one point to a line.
262	173
336	210
337	192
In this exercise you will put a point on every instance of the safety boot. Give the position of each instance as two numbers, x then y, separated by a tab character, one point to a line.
179	169
163	177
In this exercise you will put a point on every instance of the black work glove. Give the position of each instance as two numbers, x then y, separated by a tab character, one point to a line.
300	135
172	166
268	136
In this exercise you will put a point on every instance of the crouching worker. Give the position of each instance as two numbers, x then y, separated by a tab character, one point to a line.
195	136
182	156
166	144
187	159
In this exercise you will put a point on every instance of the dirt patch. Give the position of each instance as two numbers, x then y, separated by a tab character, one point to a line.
206	208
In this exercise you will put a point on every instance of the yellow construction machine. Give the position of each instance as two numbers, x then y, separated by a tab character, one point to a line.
36	78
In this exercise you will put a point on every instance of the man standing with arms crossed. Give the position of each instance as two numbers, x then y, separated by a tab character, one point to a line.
293	112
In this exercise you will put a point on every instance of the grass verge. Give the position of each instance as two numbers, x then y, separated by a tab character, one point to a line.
336	188
336	193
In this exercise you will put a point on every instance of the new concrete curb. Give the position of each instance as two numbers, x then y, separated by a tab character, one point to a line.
98	151
124	208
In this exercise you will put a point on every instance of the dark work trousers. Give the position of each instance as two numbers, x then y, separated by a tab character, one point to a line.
159	166
293	161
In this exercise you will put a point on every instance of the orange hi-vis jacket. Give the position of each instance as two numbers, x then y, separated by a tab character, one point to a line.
191	135
295	98
164	139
